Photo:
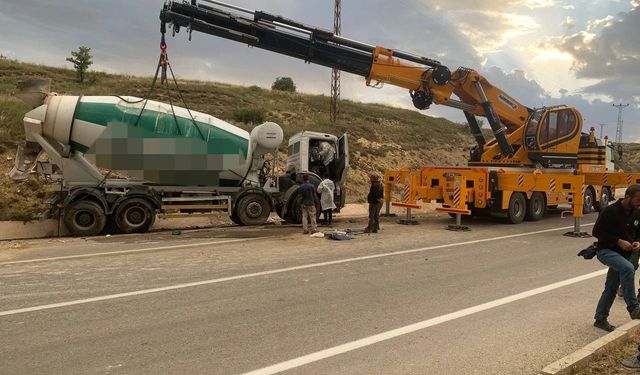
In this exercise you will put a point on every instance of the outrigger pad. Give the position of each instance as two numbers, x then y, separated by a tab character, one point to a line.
577	234
408	222
458	228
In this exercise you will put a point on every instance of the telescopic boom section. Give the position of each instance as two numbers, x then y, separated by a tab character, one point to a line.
427	80
291	38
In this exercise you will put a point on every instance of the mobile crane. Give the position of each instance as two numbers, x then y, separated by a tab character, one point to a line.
538	158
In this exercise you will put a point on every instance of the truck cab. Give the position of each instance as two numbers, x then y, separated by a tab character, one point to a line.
303	156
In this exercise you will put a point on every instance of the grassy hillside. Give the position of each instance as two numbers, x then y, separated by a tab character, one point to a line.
381	137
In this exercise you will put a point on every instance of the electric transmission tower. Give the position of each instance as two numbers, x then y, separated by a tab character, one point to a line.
335	73
619	129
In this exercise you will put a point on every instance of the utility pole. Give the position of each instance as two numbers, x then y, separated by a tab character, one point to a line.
619	129
335	74
601	126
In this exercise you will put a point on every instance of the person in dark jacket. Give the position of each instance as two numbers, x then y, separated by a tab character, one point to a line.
375	198
617	232
308	207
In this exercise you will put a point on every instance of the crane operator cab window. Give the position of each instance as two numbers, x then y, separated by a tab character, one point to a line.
553	129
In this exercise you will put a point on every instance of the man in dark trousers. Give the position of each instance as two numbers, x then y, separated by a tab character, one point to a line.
617	232
375	198
308	193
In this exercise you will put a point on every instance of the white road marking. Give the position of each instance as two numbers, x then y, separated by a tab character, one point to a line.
357	344
173	247
264	273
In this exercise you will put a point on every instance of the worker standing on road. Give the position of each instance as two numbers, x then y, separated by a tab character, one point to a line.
375	198
326	188
308	205
617	232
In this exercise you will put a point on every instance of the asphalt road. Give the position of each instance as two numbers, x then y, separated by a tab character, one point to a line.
500	299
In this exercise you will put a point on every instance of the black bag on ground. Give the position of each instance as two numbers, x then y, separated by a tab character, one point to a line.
589	252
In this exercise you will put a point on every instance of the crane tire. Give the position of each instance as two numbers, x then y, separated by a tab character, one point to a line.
588	201
536	207
605	199
517	208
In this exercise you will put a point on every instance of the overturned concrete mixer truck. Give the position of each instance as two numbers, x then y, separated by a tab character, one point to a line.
168	160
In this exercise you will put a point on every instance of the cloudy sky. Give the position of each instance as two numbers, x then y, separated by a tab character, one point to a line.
542	52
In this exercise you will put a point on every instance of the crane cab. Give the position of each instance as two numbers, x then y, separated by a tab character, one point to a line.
552	136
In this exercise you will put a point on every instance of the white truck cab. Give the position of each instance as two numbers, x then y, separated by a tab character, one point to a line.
301	159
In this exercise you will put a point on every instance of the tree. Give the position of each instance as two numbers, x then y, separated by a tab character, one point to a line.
284	84
81	60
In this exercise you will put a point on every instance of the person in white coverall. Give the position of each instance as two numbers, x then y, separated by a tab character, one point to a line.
326	189
327	154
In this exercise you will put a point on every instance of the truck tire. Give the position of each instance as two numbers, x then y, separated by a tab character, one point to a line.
517	208
536	207
605	198
294	211
134	215
280	211
234	215
84	218
588	201
252	209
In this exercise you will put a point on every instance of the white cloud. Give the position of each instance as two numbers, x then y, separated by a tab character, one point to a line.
568	22
489	31
602	22
534	4
611	56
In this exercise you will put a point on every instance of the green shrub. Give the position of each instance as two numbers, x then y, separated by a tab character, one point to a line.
284	84
249	115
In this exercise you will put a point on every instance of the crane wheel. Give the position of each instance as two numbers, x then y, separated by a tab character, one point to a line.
84	218
134	215
605	199
588	201
253	209
535	207
517	208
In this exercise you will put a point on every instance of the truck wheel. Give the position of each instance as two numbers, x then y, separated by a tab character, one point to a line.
294	210
517	208
134	215
605	198
253	209
280	210
234	216
535	207
588	201
84	218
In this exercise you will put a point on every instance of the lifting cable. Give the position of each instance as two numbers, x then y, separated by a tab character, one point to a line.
161	69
